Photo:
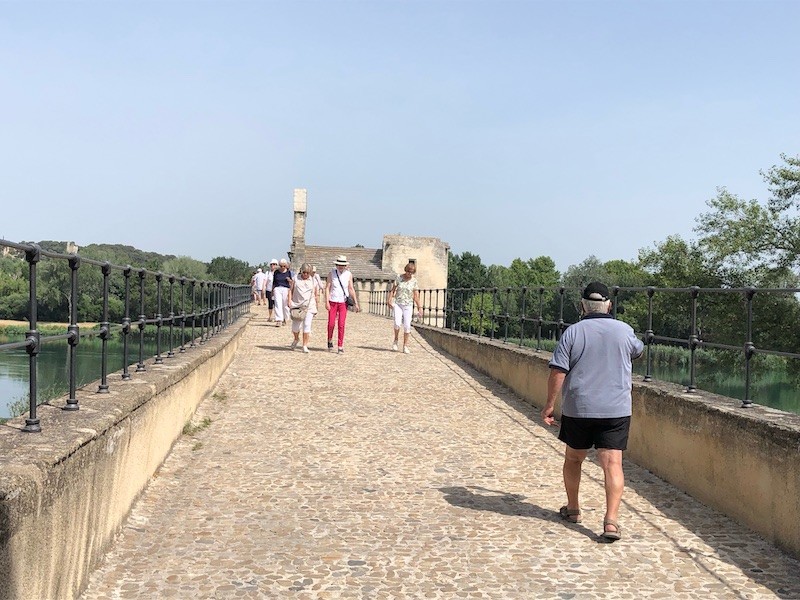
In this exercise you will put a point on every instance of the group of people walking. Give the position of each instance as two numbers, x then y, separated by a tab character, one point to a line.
296	298
590	370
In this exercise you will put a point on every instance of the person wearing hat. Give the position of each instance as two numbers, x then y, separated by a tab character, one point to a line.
273	266
591	371
340	288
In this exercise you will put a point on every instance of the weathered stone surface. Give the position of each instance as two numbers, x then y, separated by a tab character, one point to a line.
375	474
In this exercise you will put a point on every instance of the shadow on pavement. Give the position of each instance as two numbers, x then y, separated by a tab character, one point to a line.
507	504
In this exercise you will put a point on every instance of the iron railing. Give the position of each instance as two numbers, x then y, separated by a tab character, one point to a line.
195	309
539	313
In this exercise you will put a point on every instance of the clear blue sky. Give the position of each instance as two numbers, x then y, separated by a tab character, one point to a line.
507	129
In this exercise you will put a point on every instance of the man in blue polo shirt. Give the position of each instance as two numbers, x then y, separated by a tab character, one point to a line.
591	369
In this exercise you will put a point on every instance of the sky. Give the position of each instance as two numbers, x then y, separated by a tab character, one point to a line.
508	129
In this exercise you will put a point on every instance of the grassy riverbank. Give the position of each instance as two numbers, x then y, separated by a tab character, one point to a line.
12	328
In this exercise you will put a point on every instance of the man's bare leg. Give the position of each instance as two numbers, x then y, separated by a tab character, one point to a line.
611	462
573	459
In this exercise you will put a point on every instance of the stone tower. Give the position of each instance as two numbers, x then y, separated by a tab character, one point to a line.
297	253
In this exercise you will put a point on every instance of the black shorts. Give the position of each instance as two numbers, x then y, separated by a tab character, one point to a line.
270	300
582	434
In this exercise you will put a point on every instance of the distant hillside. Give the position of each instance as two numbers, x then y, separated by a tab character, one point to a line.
117	254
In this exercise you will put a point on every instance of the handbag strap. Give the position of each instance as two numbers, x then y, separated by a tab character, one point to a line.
341	285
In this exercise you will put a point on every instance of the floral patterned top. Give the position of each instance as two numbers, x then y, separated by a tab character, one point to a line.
404	290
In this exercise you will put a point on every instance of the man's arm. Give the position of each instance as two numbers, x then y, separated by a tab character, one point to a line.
554	384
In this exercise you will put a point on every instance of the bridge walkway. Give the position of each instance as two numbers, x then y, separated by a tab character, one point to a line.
375	474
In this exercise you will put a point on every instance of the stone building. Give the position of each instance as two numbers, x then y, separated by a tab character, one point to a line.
374	269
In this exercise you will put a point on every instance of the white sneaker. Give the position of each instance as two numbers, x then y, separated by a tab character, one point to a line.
394	346
294	344
306	350
406	350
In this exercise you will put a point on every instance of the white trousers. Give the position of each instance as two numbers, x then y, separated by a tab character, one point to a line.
305	324
402	316
281	295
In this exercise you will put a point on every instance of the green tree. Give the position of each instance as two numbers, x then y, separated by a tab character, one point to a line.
185	266
13	288
229	270
466	271
756	243
478	319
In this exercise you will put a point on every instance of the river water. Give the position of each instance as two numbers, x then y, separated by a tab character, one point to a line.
52	370
775	390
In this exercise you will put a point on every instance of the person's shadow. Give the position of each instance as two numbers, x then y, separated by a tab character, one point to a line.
503	503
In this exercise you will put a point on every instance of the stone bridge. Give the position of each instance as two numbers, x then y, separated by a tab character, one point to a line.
366	475
375	474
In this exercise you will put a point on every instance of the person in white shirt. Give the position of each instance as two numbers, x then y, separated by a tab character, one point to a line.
260	286
340	287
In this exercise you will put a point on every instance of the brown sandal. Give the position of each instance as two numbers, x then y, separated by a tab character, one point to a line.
573	515
611	535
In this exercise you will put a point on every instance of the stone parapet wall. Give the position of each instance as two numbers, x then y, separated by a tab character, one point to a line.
65	492
743	462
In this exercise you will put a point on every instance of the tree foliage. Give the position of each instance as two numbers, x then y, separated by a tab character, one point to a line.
466	271
756	243
54	282
229	269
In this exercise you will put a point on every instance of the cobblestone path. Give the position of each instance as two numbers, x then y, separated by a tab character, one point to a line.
375	474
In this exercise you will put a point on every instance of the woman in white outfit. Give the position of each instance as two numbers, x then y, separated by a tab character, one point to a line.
281	282
402	298
303	292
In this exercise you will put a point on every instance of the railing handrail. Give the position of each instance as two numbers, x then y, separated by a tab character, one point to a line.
219	305
445	308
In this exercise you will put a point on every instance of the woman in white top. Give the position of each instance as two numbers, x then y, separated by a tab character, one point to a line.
402	298
303	292
340	286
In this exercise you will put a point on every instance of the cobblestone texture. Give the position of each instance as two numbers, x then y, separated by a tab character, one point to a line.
375	474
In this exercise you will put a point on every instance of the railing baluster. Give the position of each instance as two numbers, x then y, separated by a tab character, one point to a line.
33	256
170	352
74	333
159	360
693	339
105	332
142	322
194	312
539	318
183	315
749	348
649	336
126	323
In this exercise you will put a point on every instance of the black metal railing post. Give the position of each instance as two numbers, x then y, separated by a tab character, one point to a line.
126	323
105	332
749	348
202	312
649	336
171	352
74	333
507	314
159	360
194	312
694	339
142	322
561	324
539	320
32	339
183	315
